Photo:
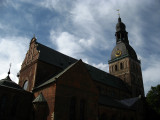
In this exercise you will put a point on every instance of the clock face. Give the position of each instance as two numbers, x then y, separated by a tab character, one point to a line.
118	53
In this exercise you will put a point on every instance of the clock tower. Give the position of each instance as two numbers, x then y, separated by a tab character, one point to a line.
124	62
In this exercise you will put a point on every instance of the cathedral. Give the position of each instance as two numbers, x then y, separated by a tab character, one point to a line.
54	86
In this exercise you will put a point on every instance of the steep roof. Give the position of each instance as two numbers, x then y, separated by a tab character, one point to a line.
7	82
56	58
39	99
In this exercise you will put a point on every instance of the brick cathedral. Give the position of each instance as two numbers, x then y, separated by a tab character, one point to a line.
54	86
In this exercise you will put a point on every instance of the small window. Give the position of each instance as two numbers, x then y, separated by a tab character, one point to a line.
116	68
122	36
25	86
121	66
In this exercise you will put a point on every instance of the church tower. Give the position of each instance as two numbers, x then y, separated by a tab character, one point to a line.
124	62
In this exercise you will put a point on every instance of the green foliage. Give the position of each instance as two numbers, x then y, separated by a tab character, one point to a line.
153	98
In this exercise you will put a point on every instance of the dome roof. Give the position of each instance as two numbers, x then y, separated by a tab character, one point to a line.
7	82
125	50
120	26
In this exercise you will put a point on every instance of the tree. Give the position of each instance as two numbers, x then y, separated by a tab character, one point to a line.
153	98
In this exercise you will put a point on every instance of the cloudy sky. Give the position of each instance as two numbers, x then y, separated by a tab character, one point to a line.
83	29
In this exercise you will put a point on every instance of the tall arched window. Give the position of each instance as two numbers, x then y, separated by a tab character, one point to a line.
25	85
72	113
82	109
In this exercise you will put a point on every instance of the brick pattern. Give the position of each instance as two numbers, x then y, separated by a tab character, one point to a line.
49	94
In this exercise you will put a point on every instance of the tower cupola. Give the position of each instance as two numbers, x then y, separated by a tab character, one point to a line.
121	34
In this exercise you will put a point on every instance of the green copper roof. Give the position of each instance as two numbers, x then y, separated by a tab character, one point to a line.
7	82
40	99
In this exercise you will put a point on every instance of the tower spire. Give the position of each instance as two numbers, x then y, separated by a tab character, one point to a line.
121	34
33	39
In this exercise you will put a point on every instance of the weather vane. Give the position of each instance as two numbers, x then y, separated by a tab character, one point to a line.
118	12
9	68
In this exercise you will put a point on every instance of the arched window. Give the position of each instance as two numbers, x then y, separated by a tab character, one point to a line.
122	35
72	114
121	66
25	85
82	109
116	68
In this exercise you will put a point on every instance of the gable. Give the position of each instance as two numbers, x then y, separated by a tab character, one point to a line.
77	77
31	55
